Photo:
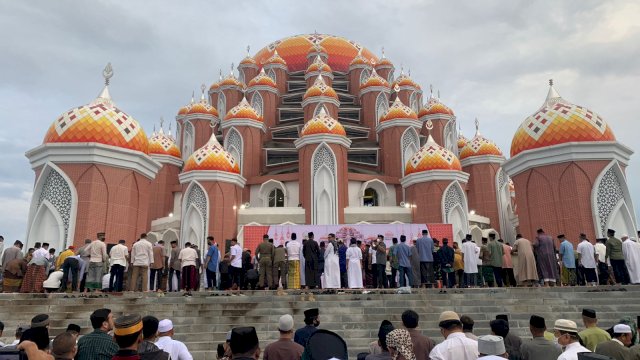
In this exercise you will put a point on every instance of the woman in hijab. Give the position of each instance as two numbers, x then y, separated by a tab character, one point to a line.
400	346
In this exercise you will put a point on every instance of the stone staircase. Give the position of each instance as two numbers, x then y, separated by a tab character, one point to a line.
202	321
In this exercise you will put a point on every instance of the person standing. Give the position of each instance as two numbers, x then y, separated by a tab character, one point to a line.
36	271
85	254
631	252
601	259
98	263
157	266
211	262
280	267
331	264
507	265
265	253
311	252
354	265
470	253
119	256
486	268
527	270
618	347
342	259
393	260
422	345
284	348
14	252
236	264
403	252
456	346
311	321
497	253
141	258
458	265
424	245
13	274
174	267
177	350
538	348
566	331
568	258
381	263
592	335
546	255
446	257
188	260
98	345
415	266
587	260
293	254
616	257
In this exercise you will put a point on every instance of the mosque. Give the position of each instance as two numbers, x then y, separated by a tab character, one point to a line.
317	129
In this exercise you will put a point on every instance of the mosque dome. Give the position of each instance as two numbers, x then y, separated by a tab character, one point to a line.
479	146
559	122
243	110
320	88
294	50
323	123
262	79
405	80
432	156
99	122
398	110
275	59
384	62
374	80
318	65
231	81
435	107
211	157
163	144
248	60
359	60
462	141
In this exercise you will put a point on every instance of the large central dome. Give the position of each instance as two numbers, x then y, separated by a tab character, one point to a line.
294	51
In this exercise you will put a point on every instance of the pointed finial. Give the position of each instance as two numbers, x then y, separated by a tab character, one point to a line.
396	88
275	53
169	129
161	122
550	82
438	93
477	126
383	56
154	129
202	87
401	69
322	112
409	73
220	75
431	89
248	50
107	73
193	96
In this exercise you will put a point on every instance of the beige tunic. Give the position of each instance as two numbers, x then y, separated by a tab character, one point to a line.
526	269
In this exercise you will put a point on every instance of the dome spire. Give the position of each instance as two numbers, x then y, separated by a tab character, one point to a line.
477	127
220	76
429	126
193	97
202	98
107	73
552	95
161	124
248	50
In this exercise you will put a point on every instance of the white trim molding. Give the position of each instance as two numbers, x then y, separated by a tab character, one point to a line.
243	122
369	89
322	138
212	175
320	99
433	117
270	66
316	73
199	116
434	175
573	151
398	122
166	159
482	159
93	153
358	66
267	88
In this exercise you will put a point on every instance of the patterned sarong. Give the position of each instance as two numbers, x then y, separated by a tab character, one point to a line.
294	274
94	276
33	279
11	283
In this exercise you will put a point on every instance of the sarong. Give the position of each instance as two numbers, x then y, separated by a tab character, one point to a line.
94	276
294	274
11	283
487	274
189	278
568	276
33	279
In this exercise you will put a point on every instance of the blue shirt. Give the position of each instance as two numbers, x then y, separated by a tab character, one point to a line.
566	252
214	253
342	258
425	248
403	251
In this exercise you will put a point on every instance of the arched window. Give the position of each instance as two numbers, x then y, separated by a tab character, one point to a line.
257	102
319	107
364	76
276	198
413	101
382	105
222	105
370	197
187	146
272	75
390	77
241	76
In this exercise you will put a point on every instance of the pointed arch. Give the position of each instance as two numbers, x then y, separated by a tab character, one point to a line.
382	105
268	187
455	210
234	144
379	187
319	107
364	76
241	76
540	208
611	202
450	136
413	102
505	210
222	105
55	200
324	186
189	140
257	102
272	75
409	145
195	210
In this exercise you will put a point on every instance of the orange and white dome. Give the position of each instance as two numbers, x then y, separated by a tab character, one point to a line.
323	123
320	88
243	111
212	157
215	86
462	141
198	108
230	81
559	122
435	107
318	66
275	59
163	144
99	122
316	49
359	61
374	80
384	62
432	156
479	146
397	111
404	81
262	79
248	61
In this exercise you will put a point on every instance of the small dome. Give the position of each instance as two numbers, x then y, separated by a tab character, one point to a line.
243	110
398	110
435	107
212	157
163	144
202	108
216	85
320	88
318	65
248	61
183	110
405	81
559	122
323	123
479	146
359	60
99	122
384	62
432	156
275	59
262	79
462	141
231	80
374	80
317	49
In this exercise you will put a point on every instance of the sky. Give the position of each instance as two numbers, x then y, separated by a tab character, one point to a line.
489	59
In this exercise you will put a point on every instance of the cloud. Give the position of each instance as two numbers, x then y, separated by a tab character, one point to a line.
490	59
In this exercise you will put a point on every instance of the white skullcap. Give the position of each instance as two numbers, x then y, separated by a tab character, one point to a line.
491	345
622	329
285	323
165	325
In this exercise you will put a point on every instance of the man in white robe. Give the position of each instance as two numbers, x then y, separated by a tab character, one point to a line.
631	252
470	253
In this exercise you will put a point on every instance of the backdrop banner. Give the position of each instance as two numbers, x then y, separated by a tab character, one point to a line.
252	234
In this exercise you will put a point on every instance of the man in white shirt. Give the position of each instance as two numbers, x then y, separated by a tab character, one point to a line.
141	258
293	254
176	349
40	252
119	255
456	346
188	259
601	259
566	331
236	263
470	259
587	259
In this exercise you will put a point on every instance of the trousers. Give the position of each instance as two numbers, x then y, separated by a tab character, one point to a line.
426	273
70	265
497	274
381	272
177	273
156	279
620	271
211	279
280	273
139	273
117	278
405	271
266	270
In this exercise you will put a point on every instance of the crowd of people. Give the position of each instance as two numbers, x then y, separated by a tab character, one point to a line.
331	264
133	337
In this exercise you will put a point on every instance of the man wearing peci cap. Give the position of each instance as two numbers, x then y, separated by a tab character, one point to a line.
244	344
512	342
616	257
592	335
566	331
491	347
311	320
177	350
617	348
128	335
539	348
456	346
285	348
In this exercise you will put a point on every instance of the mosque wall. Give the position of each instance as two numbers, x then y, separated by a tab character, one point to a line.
482	193
161	192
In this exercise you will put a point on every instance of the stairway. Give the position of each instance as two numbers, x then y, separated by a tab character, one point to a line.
202	321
